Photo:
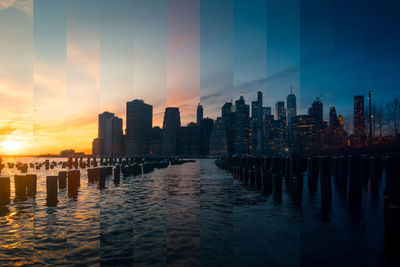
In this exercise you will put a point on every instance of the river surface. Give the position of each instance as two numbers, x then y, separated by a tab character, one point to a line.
188	215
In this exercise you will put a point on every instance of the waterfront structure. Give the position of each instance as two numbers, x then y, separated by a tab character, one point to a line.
170	135
291	106
199	114
359	117
139	122
113	137
219	138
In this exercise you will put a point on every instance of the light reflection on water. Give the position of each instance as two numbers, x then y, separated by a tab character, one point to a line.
187	215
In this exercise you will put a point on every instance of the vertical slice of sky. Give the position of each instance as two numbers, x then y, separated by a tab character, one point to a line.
216	55
283	51
250	40
116	56
183	57
149	55
49	74
349	62
83	72
16	74
316	53
382	49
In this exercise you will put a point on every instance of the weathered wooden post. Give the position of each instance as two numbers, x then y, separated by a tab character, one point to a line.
31	183
276	178
73	183
51	188
313	174
392	207
355	181
62	179
117	174
5	191
326	183
20	186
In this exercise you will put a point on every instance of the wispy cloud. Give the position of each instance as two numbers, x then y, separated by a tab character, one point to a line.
25	6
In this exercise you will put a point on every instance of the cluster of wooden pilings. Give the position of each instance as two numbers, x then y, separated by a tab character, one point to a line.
348	173
70	180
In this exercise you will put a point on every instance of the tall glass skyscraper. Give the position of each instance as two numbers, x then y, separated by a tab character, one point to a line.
291	106
170	136
139	122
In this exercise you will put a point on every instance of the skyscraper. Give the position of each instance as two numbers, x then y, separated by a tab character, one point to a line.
199	113
102	130
280	110
139	122
316	111
266	111
113	138
218	138
206	126
189	139
333	119
170	136
359	116
291	106
228	123
241	127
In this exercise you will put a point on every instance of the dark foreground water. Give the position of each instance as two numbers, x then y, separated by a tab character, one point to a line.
189	215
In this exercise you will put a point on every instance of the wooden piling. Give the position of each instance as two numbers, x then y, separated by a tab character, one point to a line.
51	188
5	190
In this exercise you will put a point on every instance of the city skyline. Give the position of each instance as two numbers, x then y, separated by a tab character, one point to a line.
69	60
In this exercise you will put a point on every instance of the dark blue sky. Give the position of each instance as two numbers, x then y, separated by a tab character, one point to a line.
338	48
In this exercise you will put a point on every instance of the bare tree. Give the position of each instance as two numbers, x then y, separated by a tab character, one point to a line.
393	115
378	119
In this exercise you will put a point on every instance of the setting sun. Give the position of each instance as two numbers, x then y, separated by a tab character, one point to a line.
11	146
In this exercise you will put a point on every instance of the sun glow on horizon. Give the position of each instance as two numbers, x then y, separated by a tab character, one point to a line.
11	146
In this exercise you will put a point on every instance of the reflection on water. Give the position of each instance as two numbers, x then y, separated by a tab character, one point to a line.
189	215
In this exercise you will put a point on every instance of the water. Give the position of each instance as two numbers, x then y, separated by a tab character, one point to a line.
188	215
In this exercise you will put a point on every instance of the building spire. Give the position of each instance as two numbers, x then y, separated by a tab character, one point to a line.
291	87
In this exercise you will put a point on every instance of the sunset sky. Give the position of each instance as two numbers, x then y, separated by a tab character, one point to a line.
63	62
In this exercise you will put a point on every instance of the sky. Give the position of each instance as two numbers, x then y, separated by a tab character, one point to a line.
63	62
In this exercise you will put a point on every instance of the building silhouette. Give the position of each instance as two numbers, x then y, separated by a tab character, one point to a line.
206	126
103	117
219	138
170	134
96	147
228	121
280	113
317	111
266	111
113	138
189	140
199	113
241	126
359	116
291	106
333	119
139	122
